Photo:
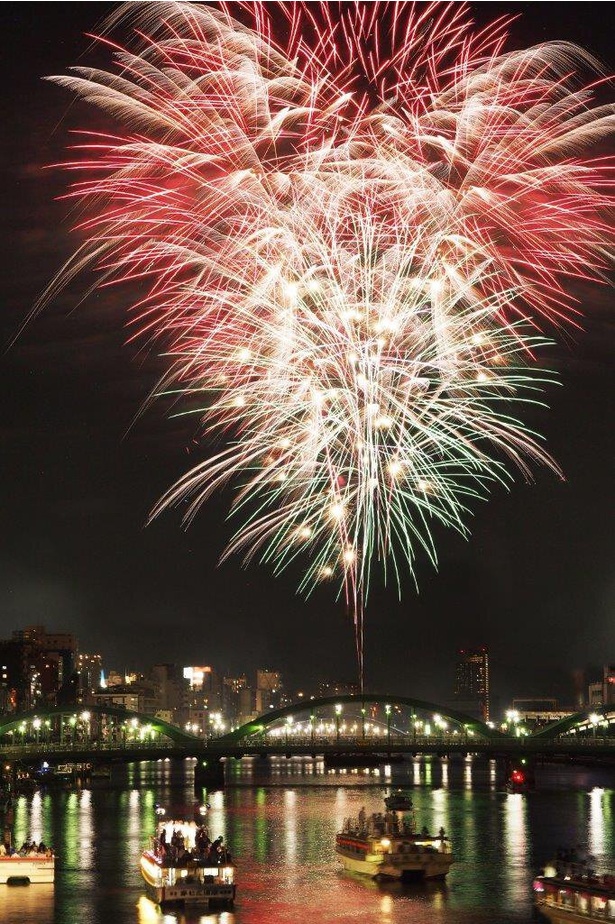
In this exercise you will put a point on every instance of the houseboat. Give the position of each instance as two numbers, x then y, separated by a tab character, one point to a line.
398	801
388	847
181	865
23	869
568	896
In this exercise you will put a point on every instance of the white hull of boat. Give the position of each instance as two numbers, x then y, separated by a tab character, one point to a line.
429	868
184	888
18	869
219	896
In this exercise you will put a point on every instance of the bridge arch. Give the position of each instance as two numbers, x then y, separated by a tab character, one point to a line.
259	725
578	719
175	734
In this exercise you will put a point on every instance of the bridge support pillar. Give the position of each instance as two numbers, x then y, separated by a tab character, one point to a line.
209	772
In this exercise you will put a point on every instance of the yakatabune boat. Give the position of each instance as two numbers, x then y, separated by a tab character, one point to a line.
388	847
574	896
31	868
398	801
181	865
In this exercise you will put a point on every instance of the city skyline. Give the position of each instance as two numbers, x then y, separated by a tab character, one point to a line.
533	583
43	669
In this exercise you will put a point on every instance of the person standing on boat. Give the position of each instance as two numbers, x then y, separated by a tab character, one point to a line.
362	817
201	841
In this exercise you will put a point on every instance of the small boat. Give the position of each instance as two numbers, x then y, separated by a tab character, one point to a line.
18	869
519	782
182	866
574	895
383	847
398	801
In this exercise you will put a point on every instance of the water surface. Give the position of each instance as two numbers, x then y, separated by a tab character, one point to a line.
280	819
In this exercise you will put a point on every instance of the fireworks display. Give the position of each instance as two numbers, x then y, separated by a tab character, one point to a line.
352	226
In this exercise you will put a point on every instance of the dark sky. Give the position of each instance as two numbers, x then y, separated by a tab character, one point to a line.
535	582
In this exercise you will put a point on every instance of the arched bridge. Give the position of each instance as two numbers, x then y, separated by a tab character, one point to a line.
41	720
347	724
374	715
92	734
386	724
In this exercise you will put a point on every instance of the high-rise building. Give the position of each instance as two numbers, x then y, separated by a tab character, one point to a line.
89	670
62	645
232	697
200	679
13	677
268	690
201	695
171	689
472	683
36	667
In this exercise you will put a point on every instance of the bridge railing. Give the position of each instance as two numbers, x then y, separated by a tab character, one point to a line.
307	745
49	749
422	742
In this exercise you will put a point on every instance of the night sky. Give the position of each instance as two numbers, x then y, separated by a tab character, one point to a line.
534	583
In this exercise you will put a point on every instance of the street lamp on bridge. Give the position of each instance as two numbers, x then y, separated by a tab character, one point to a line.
338	712
387	709
595	721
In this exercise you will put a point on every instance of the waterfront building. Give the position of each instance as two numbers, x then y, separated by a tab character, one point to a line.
534	712
472	683
602	692
137	697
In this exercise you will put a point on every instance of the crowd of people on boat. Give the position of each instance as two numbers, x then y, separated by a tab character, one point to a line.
181	849
379	823
27	849
571	863
388	823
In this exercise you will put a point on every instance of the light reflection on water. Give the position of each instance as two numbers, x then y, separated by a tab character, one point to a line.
280	822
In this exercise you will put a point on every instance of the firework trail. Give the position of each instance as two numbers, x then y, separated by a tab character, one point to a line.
350	245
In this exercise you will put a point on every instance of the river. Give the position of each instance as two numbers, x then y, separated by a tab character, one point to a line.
280	818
